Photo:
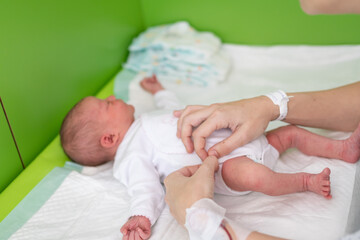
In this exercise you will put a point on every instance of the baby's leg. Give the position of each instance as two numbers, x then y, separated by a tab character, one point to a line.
310	143
243	174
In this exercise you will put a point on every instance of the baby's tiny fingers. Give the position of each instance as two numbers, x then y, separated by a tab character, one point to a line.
126	237
143	234
137	236
132	235
124	231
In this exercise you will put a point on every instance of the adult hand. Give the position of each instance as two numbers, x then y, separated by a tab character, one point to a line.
247	118
188	185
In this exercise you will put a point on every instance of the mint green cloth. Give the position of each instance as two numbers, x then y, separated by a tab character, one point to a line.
35	199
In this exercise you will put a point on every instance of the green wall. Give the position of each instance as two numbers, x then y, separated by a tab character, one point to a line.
53	53
256	22
10	166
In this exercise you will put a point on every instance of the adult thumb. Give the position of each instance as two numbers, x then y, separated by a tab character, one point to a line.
208	167
238	138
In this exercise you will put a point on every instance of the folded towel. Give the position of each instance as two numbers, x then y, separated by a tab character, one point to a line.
179	40
178	53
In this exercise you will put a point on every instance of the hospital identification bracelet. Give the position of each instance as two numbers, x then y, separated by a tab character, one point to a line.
281	99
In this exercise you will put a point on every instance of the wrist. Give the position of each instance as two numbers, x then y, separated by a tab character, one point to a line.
271	110
155	91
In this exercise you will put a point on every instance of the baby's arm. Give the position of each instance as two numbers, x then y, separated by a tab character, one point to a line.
164	99
134	168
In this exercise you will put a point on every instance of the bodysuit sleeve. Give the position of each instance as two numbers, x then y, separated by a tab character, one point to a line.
166	99
138	173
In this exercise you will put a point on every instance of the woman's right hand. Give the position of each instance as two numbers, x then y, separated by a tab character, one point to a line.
247	118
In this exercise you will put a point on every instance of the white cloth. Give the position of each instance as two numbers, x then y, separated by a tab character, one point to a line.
150	151
203	222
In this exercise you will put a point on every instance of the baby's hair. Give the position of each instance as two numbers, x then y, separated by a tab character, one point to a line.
80	137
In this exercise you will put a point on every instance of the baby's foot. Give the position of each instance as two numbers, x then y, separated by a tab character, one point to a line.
151	84
351	147
320	183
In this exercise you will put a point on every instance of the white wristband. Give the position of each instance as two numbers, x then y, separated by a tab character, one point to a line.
281	99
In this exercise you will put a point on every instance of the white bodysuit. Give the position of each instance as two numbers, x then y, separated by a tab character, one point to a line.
150	151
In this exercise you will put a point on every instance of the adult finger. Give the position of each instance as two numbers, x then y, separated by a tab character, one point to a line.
177	113
241	136
191	120
204	177
188	171
211	124
208	168
184	113
177	178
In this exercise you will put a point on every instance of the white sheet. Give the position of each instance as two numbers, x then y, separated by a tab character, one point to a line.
95	207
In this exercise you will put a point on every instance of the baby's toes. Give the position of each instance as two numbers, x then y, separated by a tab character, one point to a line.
325	189
325	183
326	192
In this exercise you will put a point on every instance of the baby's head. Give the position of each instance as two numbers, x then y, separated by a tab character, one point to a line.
94	128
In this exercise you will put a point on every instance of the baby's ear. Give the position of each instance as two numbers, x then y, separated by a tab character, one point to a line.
108	140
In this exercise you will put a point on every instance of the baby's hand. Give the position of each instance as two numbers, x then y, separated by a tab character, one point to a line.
151	84
136	228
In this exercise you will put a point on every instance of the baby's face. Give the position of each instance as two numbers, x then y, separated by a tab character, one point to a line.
115	113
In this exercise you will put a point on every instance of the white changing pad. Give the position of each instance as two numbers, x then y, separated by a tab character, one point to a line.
95	207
